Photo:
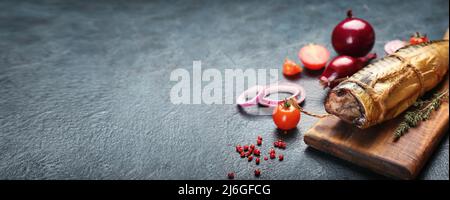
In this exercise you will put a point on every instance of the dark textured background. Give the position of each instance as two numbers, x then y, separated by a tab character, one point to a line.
84	85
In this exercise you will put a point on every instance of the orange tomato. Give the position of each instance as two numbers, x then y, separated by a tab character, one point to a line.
286	116
290	68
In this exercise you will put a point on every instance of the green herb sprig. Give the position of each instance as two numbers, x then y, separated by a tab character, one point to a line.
422	111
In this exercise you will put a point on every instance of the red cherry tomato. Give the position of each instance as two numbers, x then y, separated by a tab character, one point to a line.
291	68
286	116
313	56
418	38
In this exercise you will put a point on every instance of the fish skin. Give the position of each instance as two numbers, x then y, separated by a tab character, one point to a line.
387	87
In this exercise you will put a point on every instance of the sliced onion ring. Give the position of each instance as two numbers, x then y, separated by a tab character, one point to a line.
394	45
242	99
294	89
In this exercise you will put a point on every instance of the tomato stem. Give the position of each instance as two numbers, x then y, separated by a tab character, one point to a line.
419	35
306	112
286	104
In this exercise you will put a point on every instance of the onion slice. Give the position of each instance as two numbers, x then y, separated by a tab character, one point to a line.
243	100
297	92
392	46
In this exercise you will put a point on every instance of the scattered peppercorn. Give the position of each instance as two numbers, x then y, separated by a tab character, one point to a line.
249	151
231	175
280	144
257	152
271	150
250	158
272	156
257	172
280	157
238	148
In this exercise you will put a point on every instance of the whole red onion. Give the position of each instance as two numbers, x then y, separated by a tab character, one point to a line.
342	67
353	37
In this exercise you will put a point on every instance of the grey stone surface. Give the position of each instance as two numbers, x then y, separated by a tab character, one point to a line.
84	85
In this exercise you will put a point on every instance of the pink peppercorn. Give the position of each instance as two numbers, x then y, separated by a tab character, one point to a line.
257	172
257	152
272	150
272	156
238	148
250	158
231	175
259	142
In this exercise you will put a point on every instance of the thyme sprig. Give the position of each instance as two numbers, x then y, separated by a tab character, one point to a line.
421	112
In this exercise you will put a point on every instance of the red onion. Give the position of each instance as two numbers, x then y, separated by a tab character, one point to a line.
256	90
297	92
261	92
342	67
353	37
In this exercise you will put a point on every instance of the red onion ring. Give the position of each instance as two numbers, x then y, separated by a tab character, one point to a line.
242	99
392	46
295	90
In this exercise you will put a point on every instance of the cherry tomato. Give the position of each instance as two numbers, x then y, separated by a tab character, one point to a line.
286	116
418	38
291	68
313	56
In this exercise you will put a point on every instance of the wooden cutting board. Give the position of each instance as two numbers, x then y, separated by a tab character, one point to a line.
376	147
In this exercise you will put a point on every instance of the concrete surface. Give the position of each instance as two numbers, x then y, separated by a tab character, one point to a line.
84	85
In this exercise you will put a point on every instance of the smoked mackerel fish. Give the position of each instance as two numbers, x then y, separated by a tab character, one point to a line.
384	89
